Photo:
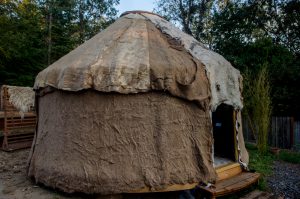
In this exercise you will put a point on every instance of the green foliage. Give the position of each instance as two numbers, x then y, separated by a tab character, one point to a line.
282	65
257	107
20	43
35	33
57	28
193	15
93	16
262	109
288	29
289	156
68	23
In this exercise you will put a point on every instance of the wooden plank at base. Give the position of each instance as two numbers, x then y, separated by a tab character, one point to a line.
175	187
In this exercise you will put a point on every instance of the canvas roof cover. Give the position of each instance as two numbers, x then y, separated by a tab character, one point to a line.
131	56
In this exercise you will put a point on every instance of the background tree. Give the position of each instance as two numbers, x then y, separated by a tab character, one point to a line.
35	33
257	105
194	16
58	27
93	15
22	49
71	22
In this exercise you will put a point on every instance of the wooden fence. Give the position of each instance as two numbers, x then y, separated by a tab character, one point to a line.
284	133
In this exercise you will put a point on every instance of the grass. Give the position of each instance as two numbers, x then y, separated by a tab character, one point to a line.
261	163
289	156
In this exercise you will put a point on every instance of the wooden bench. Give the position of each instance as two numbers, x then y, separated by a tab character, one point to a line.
17	132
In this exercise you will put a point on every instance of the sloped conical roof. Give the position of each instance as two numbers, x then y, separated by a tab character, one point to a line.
141	52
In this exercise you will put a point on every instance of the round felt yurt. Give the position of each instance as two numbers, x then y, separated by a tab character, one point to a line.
130	110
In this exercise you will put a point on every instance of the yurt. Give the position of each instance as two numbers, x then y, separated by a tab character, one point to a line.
132	110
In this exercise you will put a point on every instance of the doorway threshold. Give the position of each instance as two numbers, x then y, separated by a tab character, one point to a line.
221	162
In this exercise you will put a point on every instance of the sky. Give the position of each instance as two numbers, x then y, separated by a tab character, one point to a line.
127	5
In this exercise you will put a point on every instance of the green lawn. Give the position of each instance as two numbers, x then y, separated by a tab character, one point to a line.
261	164
289	156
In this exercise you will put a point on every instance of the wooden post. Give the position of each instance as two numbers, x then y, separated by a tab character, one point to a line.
5	130
292	132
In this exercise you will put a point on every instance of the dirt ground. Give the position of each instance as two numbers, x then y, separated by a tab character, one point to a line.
15	185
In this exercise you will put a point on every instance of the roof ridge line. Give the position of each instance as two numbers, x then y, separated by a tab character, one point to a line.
139	12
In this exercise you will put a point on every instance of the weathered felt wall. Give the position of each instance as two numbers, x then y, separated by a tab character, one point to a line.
107	143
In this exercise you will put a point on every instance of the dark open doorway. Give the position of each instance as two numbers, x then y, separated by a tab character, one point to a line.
223	132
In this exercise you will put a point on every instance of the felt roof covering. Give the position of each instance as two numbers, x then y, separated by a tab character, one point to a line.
141	52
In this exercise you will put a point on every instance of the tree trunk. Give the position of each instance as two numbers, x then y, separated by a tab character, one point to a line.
81	23
49	35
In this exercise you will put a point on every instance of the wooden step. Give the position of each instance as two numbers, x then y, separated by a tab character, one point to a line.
231	185
228	171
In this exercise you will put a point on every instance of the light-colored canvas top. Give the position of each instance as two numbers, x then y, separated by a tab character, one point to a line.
141	52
